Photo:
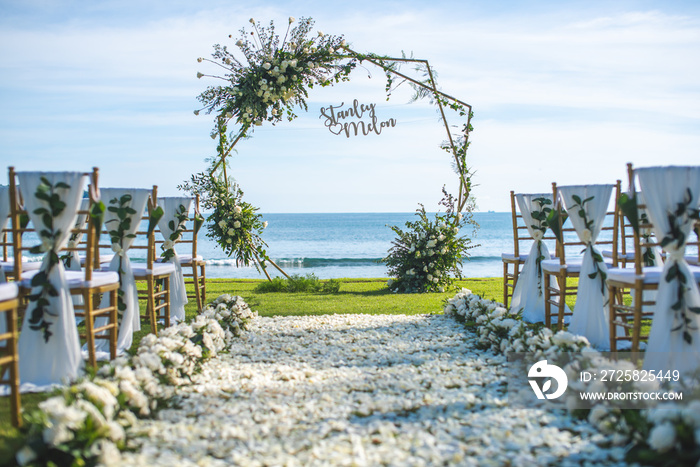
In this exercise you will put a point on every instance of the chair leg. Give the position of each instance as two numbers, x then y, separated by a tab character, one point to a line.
90	328
203	276
195	284
15	398
505	284
114	319
166	290
547	298
151	305
637	325
612	311
561	279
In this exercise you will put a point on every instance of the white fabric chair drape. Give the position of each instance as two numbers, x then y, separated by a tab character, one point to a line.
587	206
132	202
648	295
43	362
674	339
72	259
529	291
171	229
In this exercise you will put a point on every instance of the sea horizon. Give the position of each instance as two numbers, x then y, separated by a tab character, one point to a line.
351	245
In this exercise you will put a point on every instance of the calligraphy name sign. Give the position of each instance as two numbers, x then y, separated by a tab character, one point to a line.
334	115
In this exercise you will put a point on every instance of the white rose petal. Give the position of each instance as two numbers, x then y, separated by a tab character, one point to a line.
662	437
25	455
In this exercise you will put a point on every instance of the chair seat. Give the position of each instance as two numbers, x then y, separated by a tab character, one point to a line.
9	266
650	275
629	256
76	279
571	266
186	260
8	291
141	271
512	258
103	259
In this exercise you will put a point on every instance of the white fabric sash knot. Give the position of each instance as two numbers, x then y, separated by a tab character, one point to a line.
46	245
676	254
586	236
117	249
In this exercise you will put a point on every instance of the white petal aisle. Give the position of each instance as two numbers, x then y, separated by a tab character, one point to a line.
358	390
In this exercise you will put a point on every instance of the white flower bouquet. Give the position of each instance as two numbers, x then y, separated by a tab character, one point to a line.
92	420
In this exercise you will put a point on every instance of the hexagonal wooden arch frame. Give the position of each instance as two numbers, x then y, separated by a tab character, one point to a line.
464	185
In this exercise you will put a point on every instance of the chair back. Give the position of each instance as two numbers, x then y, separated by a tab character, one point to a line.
643	242
516	217
624	235
149	245
21	225
566	238
191	231
5	241
183	230
521	235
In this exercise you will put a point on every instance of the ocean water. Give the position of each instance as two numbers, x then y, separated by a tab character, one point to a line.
346	245
351	245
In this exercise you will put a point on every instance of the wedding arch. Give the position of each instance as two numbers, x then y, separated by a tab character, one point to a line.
270	82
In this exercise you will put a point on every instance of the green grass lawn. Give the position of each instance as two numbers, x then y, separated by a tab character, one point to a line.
355	296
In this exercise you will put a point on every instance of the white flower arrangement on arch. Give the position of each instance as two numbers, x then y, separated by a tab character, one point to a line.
274	75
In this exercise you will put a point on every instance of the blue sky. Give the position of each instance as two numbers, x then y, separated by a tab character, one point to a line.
562	91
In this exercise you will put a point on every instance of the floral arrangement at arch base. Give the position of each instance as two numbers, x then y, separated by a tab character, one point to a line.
428	255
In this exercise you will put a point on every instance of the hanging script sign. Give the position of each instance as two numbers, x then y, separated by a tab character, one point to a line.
364	119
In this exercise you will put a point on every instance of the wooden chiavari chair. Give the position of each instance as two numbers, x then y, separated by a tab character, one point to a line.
515	259
565	270
155	274
197	277
631	304
9	356
88	283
